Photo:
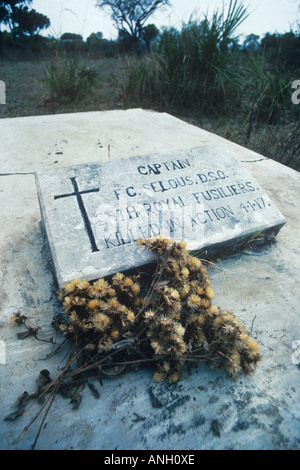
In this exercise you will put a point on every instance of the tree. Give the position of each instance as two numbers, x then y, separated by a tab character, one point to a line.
30	21
20	19
95	39
3	18
12	8
130	16
71	37
282	49
251	42
149	34
96	43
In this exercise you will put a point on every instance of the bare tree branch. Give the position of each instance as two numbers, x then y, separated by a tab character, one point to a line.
131	15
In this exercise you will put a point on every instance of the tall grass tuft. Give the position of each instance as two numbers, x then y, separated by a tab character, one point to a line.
67	79
194	66
272	85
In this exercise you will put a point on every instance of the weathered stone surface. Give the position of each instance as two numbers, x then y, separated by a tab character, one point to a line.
206	410
94	213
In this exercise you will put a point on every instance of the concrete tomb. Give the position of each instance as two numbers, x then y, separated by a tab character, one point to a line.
207	410
94	213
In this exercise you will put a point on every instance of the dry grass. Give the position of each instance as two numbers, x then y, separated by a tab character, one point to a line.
26	88
26	91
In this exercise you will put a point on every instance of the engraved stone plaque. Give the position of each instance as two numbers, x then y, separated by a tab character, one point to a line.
94	213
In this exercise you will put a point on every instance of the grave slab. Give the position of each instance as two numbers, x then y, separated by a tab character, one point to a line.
93	214
206	410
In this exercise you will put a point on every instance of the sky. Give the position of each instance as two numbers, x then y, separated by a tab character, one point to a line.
82	17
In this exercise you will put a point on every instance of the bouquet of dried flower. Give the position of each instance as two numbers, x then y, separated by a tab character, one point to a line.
168	322
164	319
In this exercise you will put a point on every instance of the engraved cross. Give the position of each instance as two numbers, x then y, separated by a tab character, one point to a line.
84	215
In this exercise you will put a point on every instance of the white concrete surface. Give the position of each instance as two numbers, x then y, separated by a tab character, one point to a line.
206	410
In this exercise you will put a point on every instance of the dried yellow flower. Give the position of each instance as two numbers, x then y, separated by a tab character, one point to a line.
194	301
179	329
149	314
128	282
71	286
157	347
115	334
185	272
118	277
214	309
174	294
253	345
135	288
244	337
113	303
130	316
209	293
100	285
194	262
184	292
201	319
93	304
100	321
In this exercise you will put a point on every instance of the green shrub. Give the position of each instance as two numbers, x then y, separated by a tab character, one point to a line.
194	66
271	84
67	80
